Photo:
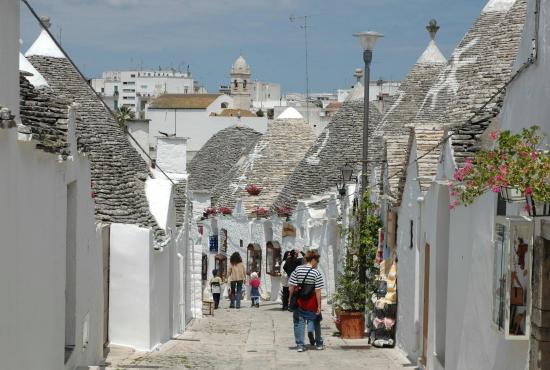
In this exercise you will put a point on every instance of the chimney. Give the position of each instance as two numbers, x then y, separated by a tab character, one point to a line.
9	55
172	154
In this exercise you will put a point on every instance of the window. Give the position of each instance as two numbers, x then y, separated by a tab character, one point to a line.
116	104
223	241
411	232
236	83
273	258
133	76
244	84
224	105
254	259
213	244
102	90
220	264
513	241
204	267
241	243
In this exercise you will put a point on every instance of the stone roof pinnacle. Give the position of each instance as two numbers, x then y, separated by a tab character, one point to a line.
432	28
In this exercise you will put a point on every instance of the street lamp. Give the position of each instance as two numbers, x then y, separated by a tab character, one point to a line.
346	175
368	40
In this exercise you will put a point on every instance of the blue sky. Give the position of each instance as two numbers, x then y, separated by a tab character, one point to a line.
209	34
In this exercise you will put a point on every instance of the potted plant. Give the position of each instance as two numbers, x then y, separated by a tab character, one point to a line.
349	300
517	167
261	212
225	211
252	189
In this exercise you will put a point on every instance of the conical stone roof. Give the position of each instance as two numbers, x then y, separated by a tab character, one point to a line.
340	142
218	155
268	165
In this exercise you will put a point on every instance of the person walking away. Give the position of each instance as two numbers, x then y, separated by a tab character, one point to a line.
306	281
237	275
284	281
255	289
216	288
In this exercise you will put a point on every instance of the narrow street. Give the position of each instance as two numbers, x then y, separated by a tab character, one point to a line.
252	338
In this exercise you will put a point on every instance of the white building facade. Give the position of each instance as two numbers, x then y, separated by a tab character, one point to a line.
135	88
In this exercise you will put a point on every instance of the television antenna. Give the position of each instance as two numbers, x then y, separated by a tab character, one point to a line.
304	26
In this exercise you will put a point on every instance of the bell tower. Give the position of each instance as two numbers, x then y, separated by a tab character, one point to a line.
241	84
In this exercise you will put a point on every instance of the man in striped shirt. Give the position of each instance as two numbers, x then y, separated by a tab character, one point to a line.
306	278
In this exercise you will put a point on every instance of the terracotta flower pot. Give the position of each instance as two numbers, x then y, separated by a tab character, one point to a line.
351	325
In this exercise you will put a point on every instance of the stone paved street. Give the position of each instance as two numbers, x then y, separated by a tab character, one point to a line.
252	338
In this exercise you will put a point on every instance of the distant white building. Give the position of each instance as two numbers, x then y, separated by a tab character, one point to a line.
266	95
379	92
135	88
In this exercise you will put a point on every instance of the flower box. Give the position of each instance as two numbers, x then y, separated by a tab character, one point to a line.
252	189
537	209
512	195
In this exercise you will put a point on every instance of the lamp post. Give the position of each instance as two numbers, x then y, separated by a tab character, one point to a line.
368	40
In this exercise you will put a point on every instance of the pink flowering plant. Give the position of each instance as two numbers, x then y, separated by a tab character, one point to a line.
226	211
210	211
261	212
517	161
253	189
283	211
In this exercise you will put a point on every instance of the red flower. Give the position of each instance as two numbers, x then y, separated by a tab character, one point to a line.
494	135
528	191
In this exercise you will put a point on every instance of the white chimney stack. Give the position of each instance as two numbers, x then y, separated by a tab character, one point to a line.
172	154
9	55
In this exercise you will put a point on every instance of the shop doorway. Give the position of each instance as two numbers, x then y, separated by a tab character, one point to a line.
426	305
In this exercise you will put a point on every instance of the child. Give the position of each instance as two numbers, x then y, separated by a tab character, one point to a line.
255	289
216	288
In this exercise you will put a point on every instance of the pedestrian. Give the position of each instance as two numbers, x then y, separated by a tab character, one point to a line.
216	288
306	282
255	289
284	281
237	275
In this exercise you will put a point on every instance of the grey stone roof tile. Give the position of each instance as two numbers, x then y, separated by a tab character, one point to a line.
118	171
218	155
44	116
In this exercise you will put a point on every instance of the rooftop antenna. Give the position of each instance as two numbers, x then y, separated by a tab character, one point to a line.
305	26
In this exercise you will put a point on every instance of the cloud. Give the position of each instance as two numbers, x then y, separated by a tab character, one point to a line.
122	3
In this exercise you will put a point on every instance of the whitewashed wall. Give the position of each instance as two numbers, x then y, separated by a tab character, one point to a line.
33	192
525	103
408	319
196	124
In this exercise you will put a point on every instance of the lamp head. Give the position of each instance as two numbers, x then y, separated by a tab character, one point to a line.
368	39
347	172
